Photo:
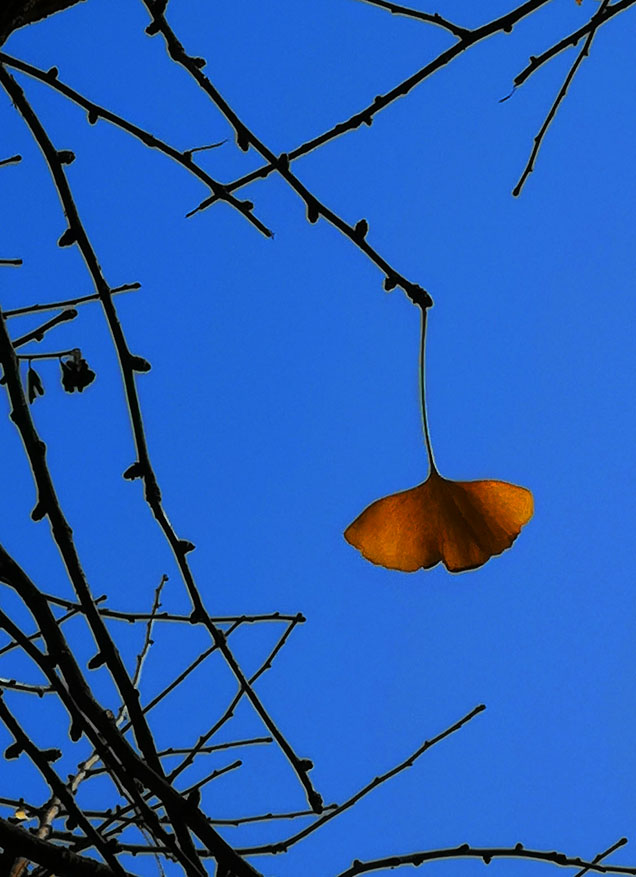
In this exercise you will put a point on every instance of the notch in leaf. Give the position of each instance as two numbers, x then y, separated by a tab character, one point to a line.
76	375
34	385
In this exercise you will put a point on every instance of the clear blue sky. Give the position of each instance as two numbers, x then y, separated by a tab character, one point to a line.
283	399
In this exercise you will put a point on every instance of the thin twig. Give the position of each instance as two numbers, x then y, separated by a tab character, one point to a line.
283	846
14	159
615	846
87	716
70	302
34	636
55	354
503	24
571	40
486	854
14	685
200	744
134	617
553	109
183	158
39	333
434	18
41	759
52	810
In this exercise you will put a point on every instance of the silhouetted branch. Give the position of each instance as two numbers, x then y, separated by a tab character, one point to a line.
199	746
619	843
14	262
57	859
486	854
31	309
135	617
283	846
553	109
39	333
183	158
434	18
41	759
503	24
599	17
315	208
14	159
14	685
206	750
52	810
229	712
47	501
17	13
86	715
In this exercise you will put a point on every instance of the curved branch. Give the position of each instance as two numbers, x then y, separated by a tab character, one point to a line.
486	854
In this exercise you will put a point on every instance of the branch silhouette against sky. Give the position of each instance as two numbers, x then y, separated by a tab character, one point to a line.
142	730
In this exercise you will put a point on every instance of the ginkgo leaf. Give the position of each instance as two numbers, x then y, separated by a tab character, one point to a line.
458	523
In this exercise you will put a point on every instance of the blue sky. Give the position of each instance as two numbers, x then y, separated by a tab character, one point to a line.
283	399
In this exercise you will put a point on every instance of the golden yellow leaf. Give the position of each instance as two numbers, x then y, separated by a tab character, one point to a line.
459	523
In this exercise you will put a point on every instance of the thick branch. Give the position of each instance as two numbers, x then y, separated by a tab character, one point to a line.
57	859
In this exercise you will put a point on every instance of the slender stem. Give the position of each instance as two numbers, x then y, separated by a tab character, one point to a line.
51	306
56	355
427	437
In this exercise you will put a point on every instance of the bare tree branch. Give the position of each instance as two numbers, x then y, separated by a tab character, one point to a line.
555	106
